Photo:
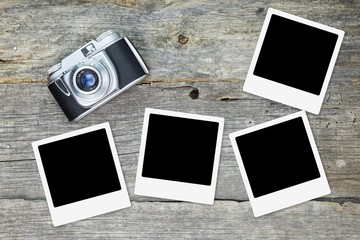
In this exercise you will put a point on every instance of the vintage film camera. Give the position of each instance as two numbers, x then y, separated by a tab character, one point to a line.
94	74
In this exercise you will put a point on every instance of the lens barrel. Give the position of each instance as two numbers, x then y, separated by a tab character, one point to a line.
87	80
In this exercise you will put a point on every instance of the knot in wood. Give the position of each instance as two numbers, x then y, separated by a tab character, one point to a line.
183	39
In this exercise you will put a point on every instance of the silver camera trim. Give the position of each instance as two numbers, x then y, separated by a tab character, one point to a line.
66	65
86	67
93	50
84	98
98	62
104	35
138	57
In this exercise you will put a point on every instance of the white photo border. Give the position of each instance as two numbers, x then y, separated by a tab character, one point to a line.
285	94
299	193
175	190
89	207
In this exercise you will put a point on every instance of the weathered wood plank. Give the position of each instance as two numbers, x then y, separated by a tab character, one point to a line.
20	179
202	75
35	115
221	36
158	220
29	113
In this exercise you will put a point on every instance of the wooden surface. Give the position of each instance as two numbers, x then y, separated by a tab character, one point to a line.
198	53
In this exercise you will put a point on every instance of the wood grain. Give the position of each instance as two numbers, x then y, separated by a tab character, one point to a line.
221	36
179	220
37	116
198	53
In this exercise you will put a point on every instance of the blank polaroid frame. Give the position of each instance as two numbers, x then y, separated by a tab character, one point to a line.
179	156
293	61
81	174
279	163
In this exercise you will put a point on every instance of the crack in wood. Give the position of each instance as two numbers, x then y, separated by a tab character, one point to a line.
340	200
21	80
229	99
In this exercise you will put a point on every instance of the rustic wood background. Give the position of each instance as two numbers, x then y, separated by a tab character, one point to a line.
198	53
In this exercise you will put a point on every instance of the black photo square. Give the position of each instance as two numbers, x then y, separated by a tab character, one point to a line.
293	61
180	149
79	167
295	54
279	163
179	156
277	157
81	174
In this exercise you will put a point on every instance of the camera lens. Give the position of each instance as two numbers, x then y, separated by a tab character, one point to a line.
87	80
